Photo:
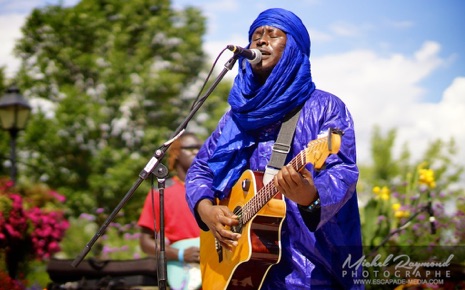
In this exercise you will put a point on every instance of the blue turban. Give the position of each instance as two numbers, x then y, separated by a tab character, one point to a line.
255	106
287	22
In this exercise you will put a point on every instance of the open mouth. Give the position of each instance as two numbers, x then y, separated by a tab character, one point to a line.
265	52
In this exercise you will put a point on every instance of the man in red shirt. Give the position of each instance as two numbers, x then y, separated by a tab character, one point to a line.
180	224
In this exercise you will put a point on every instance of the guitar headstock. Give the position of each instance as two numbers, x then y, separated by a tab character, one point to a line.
334	140
318	150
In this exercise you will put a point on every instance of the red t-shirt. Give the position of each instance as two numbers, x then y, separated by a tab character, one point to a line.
180	223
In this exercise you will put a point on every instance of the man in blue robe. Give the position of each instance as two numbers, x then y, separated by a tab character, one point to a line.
321	232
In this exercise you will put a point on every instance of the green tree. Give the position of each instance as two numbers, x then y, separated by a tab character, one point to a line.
114	79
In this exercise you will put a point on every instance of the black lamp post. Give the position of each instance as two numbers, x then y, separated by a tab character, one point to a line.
14	112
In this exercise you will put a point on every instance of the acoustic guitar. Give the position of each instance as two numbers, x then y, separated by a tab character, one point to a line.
261	214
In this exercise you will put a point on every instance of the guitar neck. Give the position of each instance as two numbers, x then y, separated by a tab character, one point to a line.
315	153
268	191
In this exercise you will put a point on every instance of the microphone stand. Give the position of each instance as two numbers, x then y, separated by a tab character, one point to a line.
160	171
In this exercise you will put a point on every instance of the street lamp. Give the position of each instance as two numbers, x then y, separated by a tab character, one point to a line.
14	112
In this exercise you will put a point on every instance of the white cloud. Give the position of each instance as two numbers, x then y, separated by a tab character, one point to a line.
317	36
432	121
386	91
11	31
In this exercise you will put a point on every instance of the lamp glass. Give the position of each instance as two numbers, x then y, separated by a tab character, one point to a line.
14	117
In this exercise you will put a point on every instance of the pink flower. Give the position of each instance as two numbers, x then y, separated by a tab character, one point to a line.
57	196
41	228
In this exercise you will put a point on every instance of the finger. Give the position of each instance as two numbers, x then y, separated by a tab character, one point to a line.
306	174
228	244
284	181
227	234
229	221
293	176
289	175
227	237
228	213
277	182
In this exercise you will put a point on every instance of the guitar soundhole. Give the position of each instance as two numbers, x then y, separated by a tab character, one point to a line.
237	229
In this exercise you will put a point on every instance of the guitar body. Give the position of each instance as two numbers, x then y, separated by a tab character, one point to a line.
184	276
258	249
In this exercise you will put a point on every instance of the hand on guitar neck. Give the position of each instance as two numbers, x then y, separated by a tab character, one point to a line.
296	185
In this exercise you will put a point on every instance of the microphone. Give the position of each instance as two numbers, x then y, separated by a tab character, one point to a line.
252	55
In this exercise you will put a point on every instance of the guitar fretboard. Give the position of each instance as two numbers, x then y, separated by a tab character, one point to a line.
267	192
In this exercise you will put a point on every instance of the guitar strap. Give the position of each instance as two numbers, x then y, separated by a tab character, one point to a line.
282	146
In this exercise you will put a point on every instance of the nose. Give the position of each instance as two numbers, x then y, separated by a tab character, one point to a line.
262	41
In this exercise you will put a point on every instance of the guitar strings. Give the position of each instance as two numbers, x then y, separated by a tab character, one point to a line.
269	190
246	212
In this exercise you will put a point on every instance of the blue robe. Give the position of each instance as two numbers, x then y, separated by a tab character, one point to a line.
313	252
318	247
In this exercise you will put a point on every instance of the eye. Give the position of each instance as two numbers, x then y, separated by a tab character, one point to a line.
256	36
276	33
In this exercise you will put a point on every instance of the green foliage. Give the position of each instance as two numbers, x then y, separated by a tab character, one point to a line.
118	242
395	195
37	276
114	79
384	166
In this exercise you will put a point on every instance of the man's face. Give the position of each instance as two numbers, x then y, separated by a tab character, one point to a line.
189	148
271	42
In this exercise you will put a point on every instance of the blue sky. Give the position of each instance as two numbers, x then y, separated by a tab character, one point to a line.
396	64
338	26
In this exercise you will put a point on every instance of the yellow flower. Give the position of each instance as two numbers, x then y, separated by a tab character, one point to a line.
426	177
395	206
398	213
383	193
401	214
